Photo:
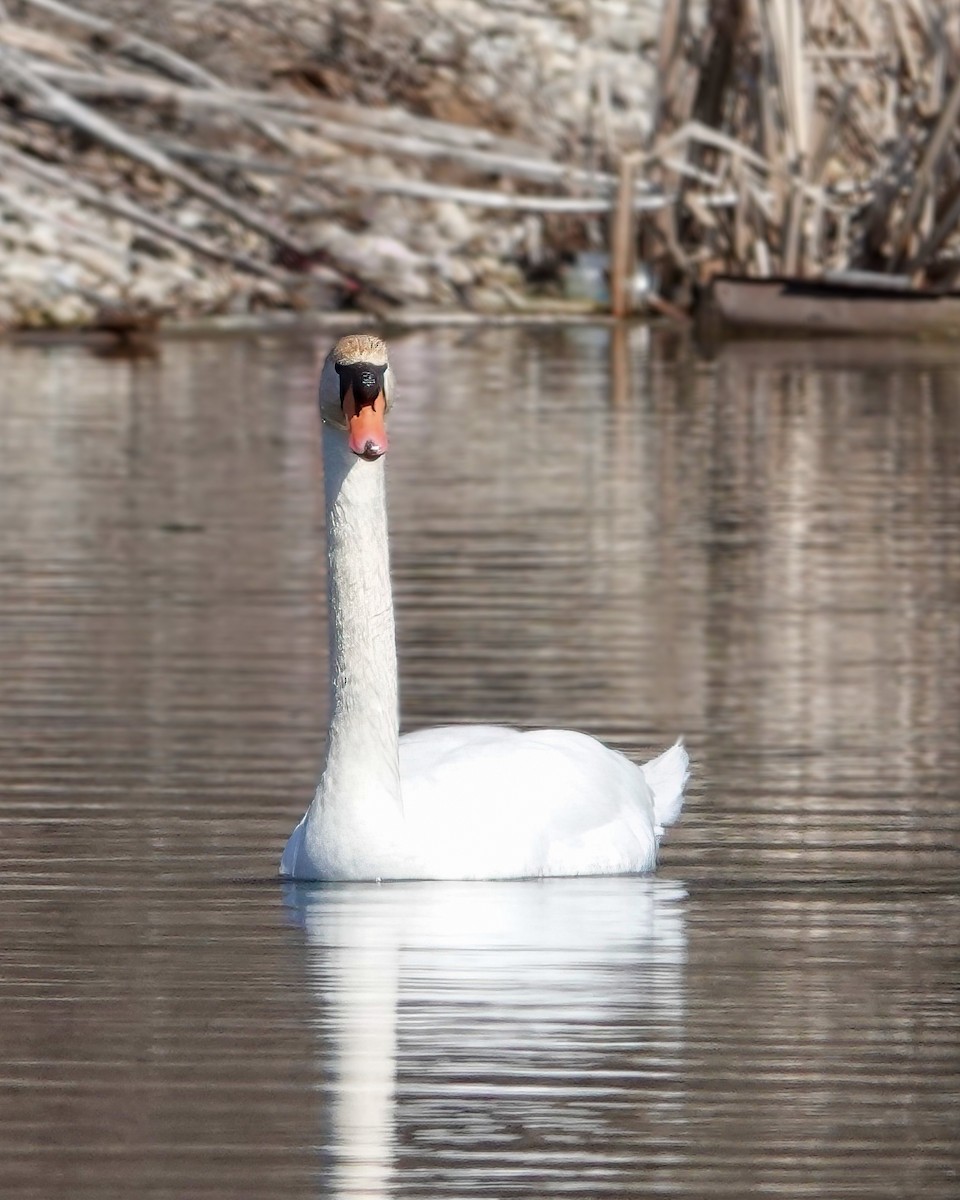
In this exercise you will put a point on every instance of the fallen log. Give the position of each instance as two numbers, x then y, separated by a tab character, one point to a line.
142	89
832	308
421	189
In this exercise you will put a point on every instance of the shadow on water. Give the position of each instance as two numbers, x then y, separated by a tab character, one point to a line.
475	1033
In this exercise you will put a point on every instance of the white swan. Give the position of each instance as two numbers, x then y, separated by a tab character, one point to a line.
461	801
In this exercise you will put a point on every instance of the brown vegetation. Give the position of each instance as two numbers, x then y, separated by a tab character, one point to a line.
808	136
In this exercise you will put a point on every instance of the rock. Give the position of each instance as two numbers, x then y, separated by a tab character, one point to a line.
111	268
453	223
42	238
69	310
487	300
457	271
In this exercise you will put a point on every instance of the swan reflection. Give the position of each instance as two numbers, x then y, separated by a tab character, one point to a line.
521	1032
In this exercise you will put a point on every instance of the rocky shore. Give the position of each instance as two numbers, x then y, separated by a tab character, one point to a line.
176	160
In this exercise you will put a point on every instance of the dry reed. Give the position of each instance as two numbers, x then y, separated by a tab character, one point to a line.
833	123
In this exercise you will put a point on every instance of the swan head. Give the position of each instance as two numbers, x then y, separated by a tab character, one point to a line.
356	389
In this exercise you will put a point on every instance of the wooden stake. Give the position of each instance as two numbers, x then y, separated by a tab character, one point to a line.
622	236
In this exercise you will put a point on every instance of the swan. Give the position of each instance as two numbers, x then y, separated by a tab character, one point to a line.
459	801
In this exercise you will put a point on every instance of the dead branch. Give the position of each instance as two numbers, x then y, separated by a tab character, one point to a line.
418	189
939	138
141	90
25	80
120	206
143	50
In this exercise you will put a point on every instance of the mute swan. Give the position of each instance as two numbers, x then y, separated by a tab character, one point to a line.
460	801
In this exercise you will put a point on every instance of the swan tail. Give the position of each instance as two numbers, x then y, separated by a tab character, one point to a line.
666	776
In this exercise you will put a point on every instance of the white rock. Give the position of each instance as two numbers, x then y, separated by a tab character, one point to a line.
453	223
458	271
103	265
69	309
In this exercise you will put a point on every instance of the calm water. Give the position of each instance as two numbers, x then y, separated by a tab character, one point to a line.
761	551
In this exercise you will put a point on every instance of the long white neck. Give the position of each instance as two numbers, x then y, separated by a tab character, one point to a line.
358	799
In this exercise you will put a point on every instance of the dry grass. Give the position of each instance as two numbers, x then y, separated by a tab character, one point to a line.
803	136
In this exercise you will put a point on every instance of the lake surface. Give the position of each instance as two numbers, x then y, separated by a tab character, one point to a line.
760	550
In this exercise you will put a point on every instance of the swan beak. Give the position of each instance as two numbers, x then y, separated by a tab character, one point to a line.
367	432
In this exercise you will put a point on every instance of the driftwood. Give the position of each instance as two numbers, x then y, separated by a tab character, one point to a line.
138	89
314	169
39	42
130	45
127	87
826	307
394	120
143	50
312	172
120	86
420	189
121	206
477	198
789	137
26	80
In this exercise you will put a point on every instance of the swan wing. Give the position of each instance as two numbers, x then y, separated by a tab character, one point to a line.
483	801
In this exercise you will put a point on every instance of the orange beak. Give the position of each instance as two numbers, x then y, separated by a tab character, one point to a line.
367	432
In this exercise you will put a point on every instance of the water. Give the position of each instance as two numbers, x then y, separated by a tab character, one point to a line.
761	550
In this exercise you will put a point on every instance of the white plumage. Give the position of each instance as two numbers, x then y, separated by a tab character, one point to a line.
457	802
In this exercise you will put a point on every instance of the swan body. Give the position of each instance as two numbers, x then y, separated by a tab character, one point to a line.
459	801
